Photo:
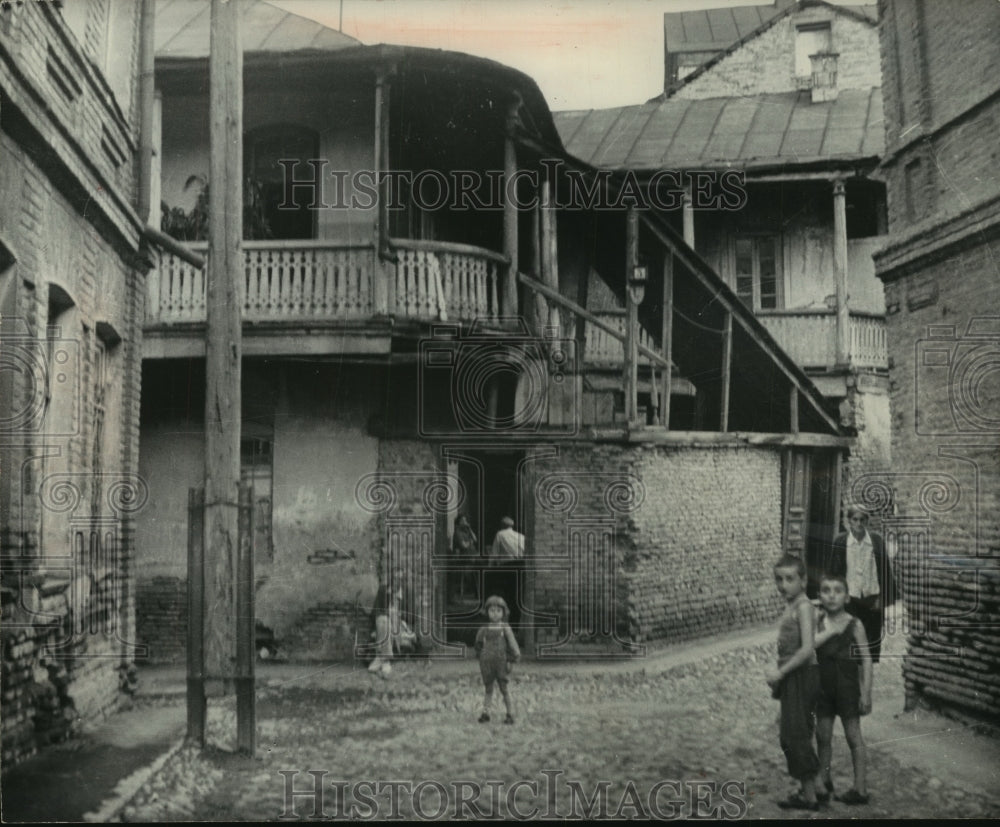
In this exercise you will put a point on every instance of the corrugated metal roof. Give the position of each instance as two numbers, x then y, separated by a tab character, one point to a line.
182	29
718	29
740	132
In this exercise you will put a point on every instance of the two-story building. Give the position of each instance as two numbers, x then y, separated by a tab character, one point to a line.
417	344
71	312
786	97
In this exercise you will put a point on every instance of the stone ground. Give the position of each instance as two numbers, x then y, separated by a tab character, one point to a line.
704	723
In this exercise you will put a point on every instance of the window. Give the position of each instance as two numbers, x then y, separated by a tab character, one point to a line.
757	271
256	470
264	189
810	39
913	184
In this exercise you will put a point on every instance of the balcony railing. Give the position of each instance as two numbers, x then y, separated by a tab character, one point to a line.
443	280
316	280
604	349
810	337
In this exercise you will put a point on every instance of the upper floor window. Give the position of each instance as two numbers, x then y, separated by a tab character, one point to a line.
810	39
265	185
757	271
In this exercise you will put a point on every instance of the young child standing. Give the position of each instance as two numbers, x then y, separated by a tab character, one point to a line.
845	677
795	682
497	651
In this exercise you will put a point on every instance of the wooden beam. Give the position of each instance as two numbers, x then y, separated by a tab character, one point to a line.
667	335
727	366
556	297
793	409
843	356
382	90
802	440
223	349
631	317
510	212
688	215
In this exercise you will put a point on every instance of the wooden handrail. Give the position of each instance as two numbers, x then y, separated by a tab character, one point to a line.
573	307
448	247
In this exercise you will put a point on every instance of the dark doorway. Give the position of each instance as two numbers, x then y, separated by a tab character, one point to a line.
491	480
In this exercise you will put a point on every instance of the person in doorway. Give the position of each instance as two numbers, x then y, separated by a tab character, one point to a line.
859	556
507	559
464	547
497	651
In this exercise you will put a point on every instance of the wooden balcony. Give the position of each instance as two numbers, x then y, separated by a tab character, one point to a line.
810	337
326	284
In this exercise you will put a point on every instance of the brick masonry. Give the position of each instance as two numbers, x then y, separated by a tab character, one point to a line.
766	63
67	484
692	549
940	276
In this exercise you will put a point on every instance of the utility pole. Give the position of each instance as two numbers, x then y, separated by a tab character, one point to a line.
224	659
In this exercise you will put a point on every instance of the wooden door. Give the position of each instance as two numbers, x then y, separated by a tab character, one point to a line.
797	467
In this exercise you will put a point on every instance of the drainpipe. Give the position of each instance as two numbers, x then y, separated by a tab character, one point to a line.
147	101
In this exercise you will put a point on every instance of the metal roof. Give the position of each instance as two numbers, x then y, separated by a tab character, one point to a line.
182	29
739	132
715	29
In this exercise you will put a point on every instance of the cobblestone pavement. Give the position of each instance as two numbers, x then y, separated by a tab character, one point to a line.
699	726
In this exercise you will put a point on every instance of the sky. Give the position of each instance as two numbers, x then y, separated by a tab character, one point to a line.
583	54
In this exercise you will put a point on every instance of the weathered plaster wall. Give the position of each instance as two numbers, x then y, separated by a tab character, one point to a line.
766	64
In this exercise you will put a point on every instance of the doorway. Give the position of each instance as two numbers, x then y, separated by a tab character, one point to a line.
493	490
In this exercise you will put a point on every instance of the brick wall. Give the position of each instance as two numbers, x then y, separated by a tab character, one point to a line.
68	487
940	275
766	64
692	549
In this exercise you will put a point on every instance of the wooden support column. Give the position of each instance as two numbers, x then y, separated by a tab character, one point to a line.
545	248
631	318
843	351
793	409
727	364
688	214
553	253
223	348
382	159
667	337
510	216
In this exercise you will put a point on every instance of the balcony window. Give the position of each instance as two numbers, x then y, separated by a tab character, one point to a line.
757	272
263	148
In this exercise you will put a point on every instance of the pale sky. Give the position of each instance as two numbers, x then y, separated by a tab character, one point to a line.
583	54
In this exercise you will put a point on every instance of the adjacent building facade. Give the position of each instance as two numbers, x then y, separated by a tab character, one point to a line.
409	357
772	120
942	288
71	305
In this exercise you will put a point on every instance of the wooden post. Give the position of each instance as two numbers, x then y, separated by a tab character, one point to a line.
223	342
246	728
688	214
793	409
843	354
510	216
545	250
631	318
196	704
727	363
667	336
382	89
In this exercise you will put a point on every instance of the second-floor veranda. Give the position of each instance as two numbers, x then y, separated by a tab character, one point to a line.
376	188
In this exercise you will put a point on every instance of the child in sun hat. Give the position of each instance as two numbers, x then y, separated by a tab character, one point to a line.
497	651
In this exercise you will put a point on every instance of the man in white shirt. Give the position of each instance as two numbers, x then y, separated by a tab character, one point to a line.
859	556
507	555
